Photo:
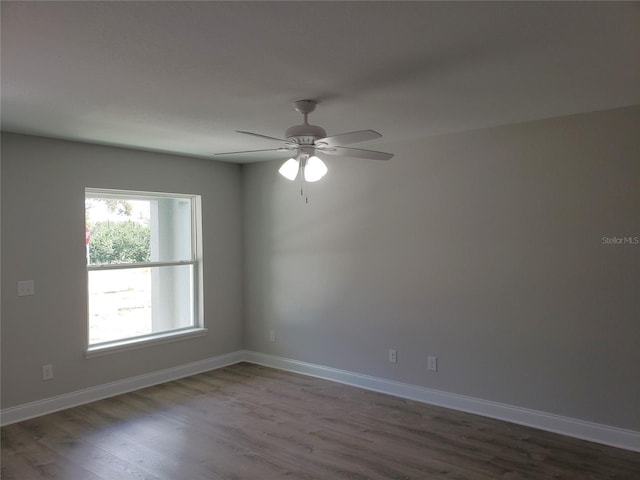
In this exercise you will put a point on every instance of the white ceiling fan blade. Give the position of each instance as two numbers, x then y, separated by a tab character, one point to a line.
261	136
347	138
358	153
282	149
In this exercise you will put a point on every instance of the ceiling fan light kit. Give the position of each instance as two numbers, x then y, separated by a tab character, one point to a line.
309	141
313	169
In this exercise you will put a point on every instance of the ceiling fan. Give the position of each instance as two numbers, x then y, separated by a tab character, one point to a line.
306	142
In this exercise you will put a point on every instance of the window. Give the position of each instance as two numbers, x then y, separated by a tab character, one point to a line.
144	266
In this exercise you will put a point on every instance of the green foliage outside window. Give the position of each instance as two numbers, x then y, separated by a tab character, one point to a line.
119	242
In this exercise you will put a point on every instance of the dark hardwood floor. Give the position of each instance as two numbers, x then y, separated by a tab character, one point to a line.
252	422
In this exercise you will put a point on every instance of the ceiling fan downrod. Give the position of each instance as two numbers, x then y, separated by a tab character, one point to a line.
305	134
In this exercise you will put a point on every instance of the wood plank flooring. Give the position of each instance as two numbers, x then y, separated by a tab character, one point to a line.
252	422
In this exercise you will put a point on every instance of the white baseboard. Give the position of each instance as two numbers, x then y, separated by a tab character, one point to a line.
616	437
595	432
80	397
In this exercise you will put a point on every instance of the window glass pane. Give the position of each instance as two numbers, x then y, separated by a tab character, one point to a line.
124	229
132	302
119	304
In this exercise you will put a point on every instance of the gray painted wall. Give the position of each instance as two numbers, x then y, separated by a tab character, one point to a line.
483	248
43	185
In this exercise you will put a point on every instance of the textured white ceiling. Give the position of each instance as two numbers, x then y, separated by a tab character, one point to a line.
182	76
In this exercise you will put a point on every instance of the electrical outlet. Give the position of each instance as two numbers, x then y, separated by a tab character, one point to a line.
47	372
272	335
432	363
393	356
26	287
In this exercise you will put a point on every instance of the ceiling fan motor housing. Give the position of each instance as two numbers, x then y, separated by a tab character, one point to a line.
305	134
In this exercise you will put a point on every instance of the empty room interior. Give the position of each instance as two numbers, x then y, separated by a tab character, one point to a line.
320	240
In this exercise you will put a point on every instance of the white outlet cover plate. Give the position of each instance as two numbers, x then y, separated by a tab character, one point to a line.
393	356
47	372
432	363
26	287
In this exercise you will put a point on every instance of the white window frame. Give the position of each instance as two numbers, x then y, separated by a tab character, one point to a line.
198	328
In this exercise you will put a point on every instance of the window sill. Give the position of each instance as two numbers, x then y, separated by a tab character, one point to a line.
141	342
